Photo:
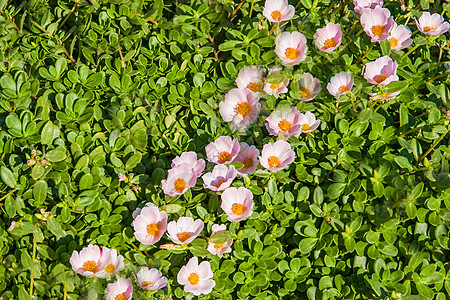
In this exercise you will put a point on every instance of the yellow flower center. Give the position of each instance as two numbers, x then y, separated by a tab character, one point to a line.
147	283
306	127
194	278
276	15
121	297
254	87
385	95
329	44
218	246
238	209
153	229
274	162
180	185
274	86
248	162
224	156
219	183
393	42
110	268
243	108
306	93
343	89
183	236
90	266
380	78
428	28
378	30
291	53
284	125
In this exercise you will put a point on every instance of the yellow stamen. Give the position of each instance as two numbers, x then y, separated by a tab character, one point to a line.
153	229
194	278
219	183
110	268
274	86
224	156
306	93
121	297
183	236
306	127
147	283
90	266
179	185
378	30
276	15
393	42
218	246
291	53
329	44
284	125
255	87
343	89
274	162
238	209
243	108
428	28
380	78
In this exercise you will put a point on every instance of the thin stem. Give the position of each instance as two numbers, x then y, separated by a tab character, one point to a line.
365	54
273	27
410	51
411	130
438	76
68	15
412	171
236	10
431	148
65	290
251	9
349	42
124	65
137	249
298	4
7	195
397	203
32	270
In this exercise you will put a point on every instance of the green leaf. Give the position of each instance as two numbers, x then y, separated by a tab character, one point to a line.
307	4
55	228
7	177
40	192
47	133
55	155
221	237
133	161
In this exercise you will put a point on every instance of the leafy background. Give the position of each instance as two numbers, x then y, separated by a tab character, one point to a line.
99	88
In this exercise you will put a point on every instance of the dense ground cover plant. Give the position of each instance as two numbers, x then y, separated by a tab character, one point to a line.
110	113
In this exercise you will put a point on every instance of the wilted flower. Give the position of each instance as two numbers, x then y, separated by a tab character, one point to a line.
377	23
240	107
278	10
190	159
309	87
381	71
223	150
276	156
121	177
291	48
110	262
150	224
251	78
88	261
237	203
360	5
220	178
328	38
179	180
399	37
340	84
432	24
386	96
284	120
185	230
219	249
151	280
196	278
11	227
308	122
248	156
122	289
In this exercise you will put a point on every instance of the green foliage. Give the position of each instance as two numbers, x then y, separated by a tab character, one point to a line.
91	89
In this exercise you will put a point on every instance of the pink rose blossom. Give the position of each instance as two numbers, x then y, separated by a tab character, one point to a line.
237	203
276	156
240	107
150	225
248	156
308	122
220	178
223	150
110	262
432	24
340	84
196	278
278	10
11	227
185	230
179	180
328	38
88	261
370	4
151	280
399	37
284	120
291	48
219	249
381	71
309	87
276	89
122	289
138	210
190	159
386	96
251	78
377	23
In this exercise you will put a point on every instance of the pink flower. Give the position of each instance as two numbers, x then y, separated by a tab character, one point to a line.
220	178
240	107
223	150
328	38
291	48
386	96
137	211
11	227
278	10
150	224
377	23
185	230
121	177
122	289
219	249
284	120
399	37
309	87
370	4
196	278
340	84
110	263
151	280
237	203
190	159
432	24
276	89
248	156
251	78
381	71
179	180
87	262
308	122
276	156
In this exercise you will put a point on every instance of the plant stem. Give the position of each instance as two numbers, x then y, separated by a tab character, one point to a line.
7	195
236	10
32	270
412	171
438	76
410	51
431	148
251	9
365	54
349	42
